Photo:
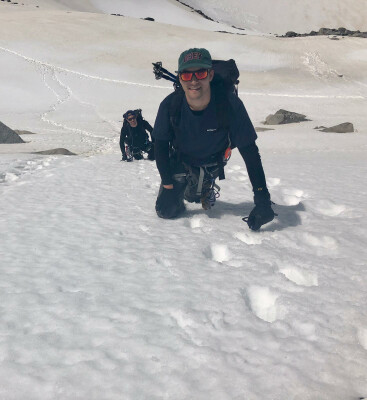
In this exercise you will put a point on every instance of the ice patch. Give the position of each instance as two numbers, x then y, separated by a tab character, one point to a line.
263	303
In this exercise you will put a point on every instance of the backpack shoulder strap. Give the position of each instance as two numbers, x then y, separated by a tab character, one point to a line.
174	110
222	106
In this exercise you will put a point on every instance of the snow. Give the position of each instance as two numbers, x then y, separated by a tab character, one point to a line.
286	15
101	299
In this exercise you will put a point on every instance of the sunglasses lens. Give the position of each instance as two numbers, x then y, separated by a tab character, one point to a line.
186	76
201	74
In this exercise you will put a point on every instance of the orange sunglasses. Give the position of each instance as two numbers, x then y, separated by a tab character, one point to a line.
187	76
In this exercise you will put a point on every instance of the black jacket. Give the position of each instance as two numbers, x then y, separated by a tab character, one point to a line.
136	137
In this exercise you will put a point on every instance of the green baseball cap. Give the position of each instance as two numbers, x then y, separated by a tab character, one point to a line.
194	58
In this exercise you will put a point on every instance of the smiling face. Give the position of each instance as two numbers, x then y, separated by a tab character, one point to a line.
197	91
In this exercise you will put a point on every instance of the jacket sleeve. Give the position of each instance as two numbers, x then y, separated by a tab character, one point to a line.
251	156
122	140
161	151
148	128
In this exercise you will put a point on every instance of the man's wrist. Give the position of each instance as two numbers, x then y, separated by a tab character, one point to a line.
168	186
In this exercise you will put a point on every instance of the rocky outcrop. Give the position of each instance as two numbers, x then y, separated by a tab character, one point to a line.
345	127
328	32
284	117
23	132
8	136
58	151
197	11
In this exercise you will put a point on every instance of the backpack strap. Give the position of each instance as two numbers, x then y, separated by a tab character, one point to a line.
174	110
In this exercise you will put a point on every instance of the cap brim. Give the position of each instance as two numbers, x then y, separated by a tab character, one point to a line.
196	65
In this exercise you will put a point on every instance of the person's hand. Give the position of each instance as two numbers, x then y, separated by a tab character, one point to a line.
260	215
124	157
168	204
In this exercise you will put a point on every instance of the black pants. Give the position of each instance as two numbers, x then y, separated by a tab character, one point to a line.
192	183
137	151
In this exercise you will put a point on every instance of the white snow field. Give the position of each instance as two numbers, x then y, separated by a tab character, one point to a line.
286	15
102	300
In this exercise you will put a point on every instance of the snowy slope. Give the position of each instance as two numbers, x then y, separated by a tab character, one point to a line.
286	15
99	298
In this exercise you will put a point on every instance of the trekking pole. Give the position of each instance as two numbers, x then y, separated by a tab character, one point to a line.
161	72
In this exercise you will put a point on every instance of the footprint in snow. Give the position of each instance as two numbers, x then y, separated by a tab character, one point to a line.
326	242
144	228
195	222
299	277
272	182
10	177
292	197
327	208
248	238
262	302
220	253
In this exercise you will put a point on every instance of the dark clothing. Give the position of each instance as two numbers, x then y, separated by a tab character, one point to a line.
167	167
199	138
199	135
137	138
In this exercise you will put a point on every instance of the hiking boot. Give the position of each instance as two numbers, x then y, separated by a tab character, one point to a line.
209	195
208	199
138	155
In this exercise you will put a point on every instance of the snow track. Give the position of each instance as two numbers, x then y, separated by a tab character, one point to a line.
315	69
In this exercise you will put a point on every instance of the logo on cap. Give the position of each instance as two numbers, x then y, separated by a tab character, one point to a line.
195	55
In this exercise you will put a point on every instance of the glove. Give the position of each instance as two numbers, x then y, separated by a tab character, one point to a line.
124	157
262	213
259	216
168	204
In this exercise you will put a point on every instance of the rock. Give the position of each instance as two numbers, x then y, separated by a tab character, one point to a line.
59	151
328	32
284	117
148	19
291	34
8	136
23	132
345	127
261	129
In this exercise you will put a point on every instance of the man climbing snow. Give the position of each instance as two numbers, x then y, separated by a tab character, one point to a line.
195	128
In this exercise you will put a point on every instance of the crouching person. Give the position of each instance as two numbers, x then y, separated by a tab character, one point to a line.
195	129
134	139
